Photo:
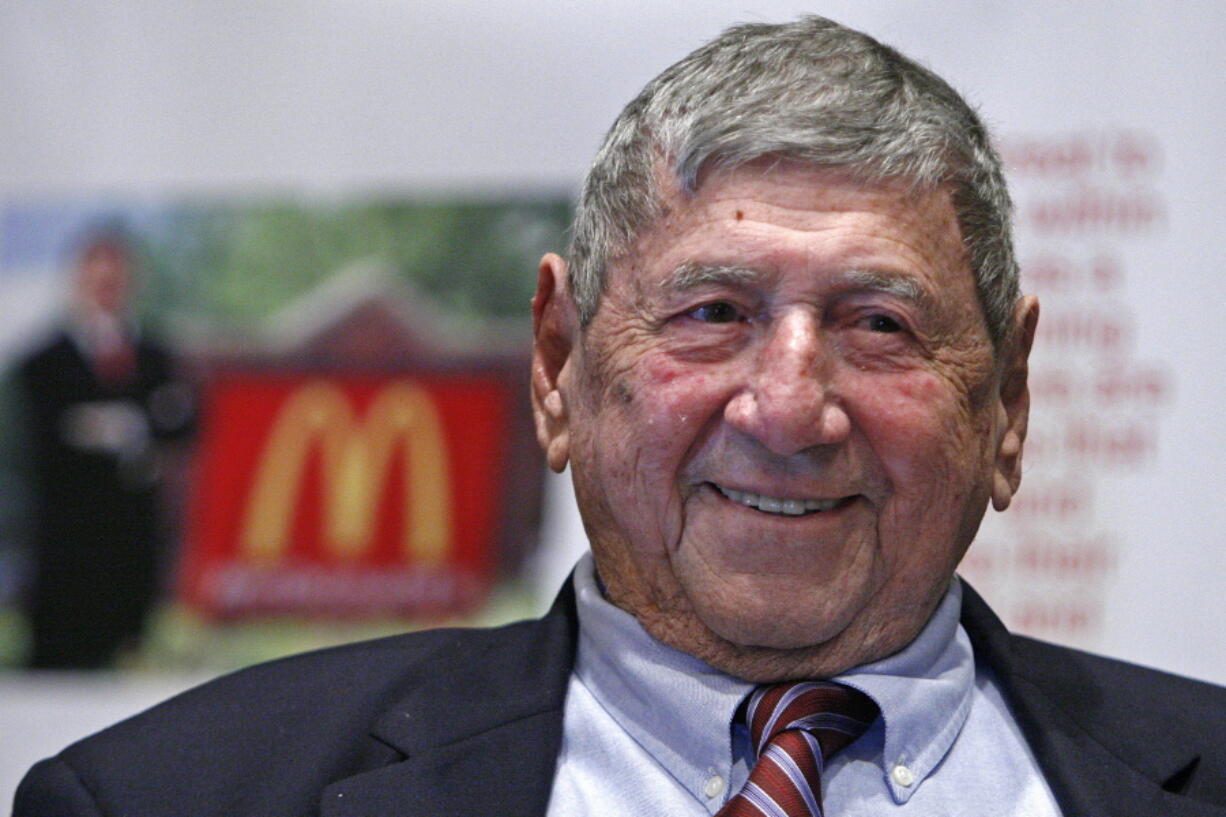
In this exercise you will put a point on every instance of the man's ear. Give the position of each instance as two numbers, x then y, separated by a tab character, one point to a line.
1014	403
555	323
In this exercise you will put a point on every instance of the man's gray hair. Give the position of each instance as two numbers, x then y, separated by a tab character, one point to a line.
813	91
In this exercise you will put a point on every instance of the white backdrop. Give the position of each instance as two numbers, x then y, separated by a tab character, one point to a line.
1111	114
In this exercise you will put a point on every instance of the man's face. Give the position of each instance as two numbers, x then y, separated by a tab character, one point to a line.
105	279
785	420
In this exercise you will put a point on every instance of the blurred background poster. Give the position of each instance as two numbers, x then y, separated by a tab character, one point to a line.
363	458
333	213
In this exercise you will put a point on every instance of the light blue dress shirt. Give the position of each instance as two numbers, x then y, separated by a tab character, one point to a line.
648	730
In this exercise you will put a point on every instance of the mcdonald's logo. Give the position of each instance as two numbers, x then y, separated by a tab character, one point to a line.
401	428
351	493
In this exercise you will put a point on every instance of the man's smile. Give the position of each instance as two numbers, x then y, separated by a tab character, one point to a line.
781	505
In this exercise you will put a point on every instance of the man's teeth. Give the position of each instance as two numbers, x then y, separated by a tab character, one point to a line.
770	504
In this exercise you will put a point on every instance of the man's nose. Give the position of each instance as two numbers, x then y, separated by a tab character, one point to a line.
787	402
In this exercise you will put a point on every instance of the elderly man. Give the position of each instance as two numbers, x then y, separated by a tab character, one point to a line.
786	364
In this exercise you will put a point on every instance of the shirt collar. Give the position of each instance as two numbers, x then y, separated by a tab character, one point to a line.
924	692
642	684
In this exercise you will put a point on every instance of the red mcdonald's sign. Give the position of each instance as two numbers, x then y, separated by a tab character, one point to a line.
347	493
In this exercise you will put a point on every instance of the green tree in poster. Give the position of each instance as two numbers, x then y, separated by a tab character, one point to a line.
232	266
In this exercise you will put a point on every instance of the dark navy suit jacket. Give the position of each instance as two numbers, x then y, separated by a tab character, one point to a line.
469	722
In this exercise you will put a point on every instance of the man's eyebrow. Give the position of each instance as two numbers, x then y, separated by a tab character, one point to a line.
900	286
690	275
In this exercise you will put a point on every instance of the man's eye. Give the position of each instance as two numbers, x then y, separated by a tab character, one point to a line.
716	312
882	323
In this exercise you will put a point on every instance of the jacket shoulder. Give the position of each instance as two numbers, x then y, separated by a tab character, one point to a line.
266	739
1111	736
1113	696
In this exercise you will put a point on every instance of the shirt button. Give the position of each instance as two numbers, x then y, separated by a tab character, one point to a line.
714	786
902	775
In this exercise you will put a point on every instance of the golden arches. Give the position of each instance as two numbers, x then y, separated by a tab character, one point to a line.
356	457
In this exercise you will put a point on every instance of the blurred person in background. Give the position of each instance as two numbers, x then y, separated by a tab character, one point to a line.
786	364
99	401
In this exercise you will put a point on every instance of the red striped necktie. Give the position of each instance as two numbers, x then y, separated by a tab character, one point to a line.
795	728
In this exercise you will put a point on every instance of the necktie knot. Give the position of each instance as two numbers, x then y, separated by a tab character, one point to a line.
795	728
834	714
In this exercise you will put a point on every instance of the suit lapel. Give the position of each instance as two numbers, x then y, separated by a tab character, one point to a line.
480	733
507	770
1113	764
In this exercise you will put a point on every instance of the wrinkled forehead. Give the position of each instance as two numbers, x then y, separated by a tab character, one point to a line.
797	197
802	185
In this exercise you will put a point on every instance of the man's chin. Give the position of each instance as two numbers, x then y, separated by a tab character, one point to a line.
754	649
771	633
779	614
